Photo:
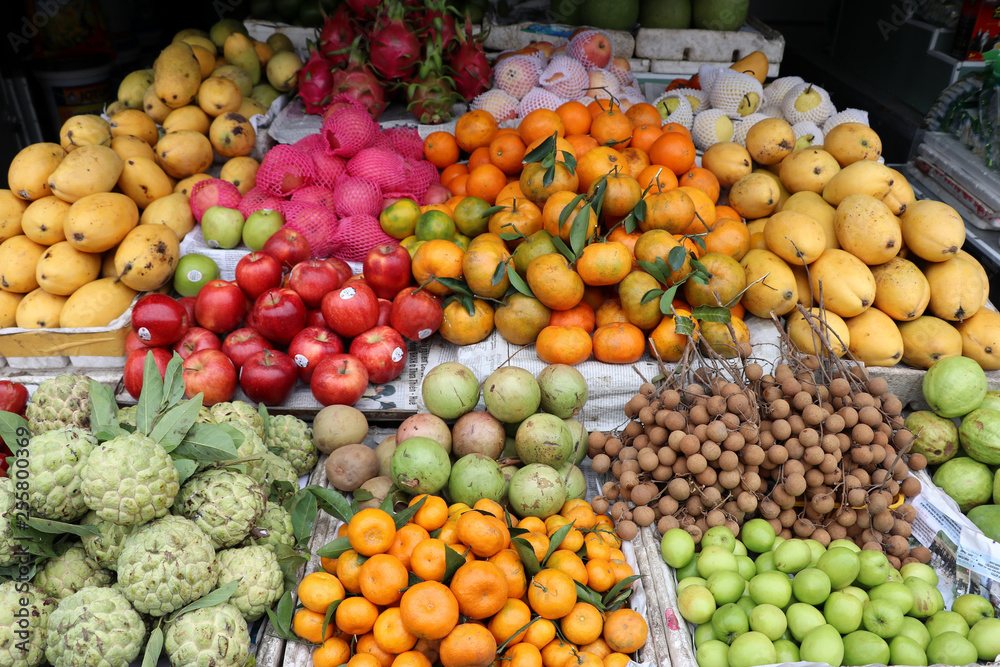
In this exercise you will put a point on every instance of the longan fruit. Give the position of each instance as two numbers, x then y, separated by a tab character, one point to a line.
694	506
728	460
878	385
662	473
707	477
777	454
612	447
601	463
729	479
627	529
679	489
716	431
772	394
629	480
642	495
747	502
883	522
856	497
751	481
618	509
781	429
647	458
666	456
600	505
696	463
910	486
667	523
643	516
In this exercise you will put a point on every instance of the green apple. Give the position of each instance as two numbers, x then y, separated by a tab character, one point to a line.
859	593
841	565
874	569
714	558
843	611
689	570
771	587
973	608
802	618
747	567
769	620
260	226
778	539
757	535
222	227
677	547
729	622
921	570
751	648
739	549
847	544
817	550
747	604
811	586
894	575
822	644
713	653
985	636
915	629
896	592
192	272
765	562
792	555
703	633
726	586
927	599
951	648
786	651
696	604
947	621
905	651
883	618
719	536
690	581
865	648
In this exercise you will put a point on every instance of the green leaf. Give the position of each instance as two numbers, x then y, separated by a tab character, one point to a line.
386	505
701	268
712	314
589	595
699	278
549	161
216	597
402	518
185	469
511	236
630	223
50	527
569	208
649	296
517	282
154	646
563	249
653	270
546	147
557	539
108	432
452	561
578	232
151	396
620	586
523	628
666	301
412	580
335	548
103	409
455	284
527	554
290	560
699	239
569	161
549	176
361	495
683	325
173	381
281	615
488	213
640	210
499	273
328	618
332	502
206	442
171	428
262	411
303	508
14	431
469	304
676	258
238	436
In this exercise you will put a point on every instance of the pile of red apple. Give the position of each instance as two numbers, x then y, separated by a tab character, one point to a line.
285	319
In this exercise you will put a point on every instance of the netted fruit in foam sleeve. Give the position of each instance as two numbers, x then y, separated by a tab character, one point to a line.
213	192
502	106
538	98
348	130
258	199
564	77
285	170
328	168
315	194
356	196
517	75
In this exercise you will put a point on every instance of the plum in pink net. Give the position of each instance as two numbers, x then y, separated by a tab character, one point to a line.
213	192
381	166
257	199
420	175
380	140
348	130
315	194
328	168
405	140
317	223
356	235
284	170
356	196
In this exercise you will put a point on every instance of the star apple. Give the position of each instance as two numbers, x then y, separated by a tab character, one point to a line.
726	586
865	648
769	620
947	621
258	272
883	618
843	611
287	246
382	351
196	338
386	268
973	608
802	618
729	622
771	587
340	380
841	565
158	320
751	648
312	280
279	314
135	365
351	309
822	644
311	346
811	585
696	604
268	377
241	344
220	306
677	547
792	555
212	374
415	314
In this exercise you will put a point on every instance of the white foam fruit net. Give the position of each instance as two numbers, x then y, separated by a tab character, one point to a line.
538	98
355	236
356	196
405	140
348	130
284	170
213	192
328	168
564	77
517	75
258	199
315	194
381	166
577	47
502	106
317	223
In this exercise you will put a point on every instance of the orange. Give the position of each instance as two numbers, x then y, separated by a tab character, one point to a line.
664	339
491	506
532	181
563	147
581	315
597	546
412	658
583	624
581	143
568	345
319	590
558	653
508	622
406	539
594	295
596	163
553	282
580	513
429	647
604	263
480	588
366	644
428	560
584	659
484	533
644	114
575	117
475	129
448	532
673	150
738	310
636	160
621	569
539	124
390	632
611	128
598	647
383	578
308	625
727	212
453	170
728	237
468	645
485	181
726	277
702	179
619	343
333	653
676	127
479	156
671	211
513	571
521	654
328	565
601	106
659	177
704	210
441	149
459	185
512	189
553	209
621	195
506	152
520	216
625	630
568	562
435	224
371	531
540	632
356	615
436	258
533	523
432	514
617	660
551	593
364	660
539	543
610	311
349	570
455	201
600	576
429	610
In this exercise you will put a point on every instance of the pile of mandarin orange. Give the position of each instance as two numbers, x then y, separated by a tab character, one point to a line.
396	608
590	306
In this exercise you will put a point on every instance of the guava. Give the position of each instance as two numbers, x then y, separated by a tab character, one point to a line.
967	481
511	394
954	386
563	390
543	438
934	437
576	483
419	465
580	438
450	390
474	477
536	490
979	434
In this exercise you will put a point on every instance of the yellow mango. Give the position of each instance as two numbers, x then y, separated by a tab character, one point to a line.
176	75
795	237
842	283
97	303
956	289
231	135
39	310
829	325
932	230
900	194
241	171
8	308
771	285
853	142
184	153
239	50
184	185
127	146
28	175
86	171
218	95
12	210
146	258
928	339
144	181
135	122
153	106
809	169
864	176
62	269
84	130
99	222
133	87
18	257
173	210
875	340
813	205
981	338
189	117
867	229
901	289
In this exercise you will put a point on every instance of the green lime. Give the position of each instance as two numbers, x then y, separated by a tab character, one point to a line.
435	225
469	216
536	245
462	241
400	219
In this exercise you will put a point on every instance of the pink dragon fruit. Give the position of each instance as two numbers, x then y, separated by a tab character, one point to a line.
430	96
359	82
394	47
316	83
336	36
471	70
364	9
437	20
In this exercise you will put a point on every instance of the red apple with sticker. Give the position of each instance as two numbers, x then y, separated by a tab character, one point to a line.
351	309
382	351
386	268
287	246
158	320
339	380
132	343
220	306
416	313
312	280
212	374
311	346
279	314
258	272
135	368
268	377
196	338
243	343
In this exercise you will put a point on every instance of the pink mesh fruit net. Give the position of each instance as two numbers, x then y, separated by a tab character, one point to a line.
517	75
284	170
213	192
538	98
381	166
348	130
315	222
405	140
564	77
356	196
315	194
581	44
310	143
420	175
380	141
328	168
355	236
257	199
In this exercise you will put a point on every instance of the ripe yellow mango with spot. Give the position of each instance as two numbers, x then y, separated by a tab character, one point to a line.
932	230
143	181
18	257
981	338
205	59
154	107
184	153
803	286
98	222
853	142
813	205
184	186
39	310
867	229
8	308
240	51
189	117
173	210
86	171
875	340
146	258
809	169
956	289
218	95
755	195
97	303
900	194
842	283
771	285
127	146
135	123
176	75
84	130
43	220
901	289
62	269
928	339
865	177
12	210
28	175
241	171
808	341
133	88
795	237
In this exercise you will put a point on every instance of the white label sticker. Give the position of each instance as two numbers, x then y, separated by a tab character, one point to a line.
424	333
347	293
397	354
143	334
301	361
194	275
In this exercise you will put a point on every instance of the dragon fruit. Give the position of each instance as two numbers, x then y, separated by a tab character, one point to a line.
471	71
364	9
316	83
394	47
431	95
438	21
359	82
337	35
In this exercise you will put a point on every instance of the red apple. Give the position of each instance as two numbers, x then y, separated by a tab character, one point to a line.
416	314
158	320
257	273
279	314
597	49
339	380
210	373
382	351
196	339
384	310
356	278
268	377
351	309
386	268
132	343
311	346
312	279
242	344
188	303
343	268
135	366
287	246
314	318
220	306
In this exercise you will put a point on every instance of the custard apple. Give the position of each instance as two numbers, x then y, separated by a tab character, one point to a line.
106	547
23	644
239	412
94	627
273	527
166	564
126	415
130	480
261	580
294	437
224	503
9	547
60	401
205	416
208	637
64	575
55	459
278	469
251	448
